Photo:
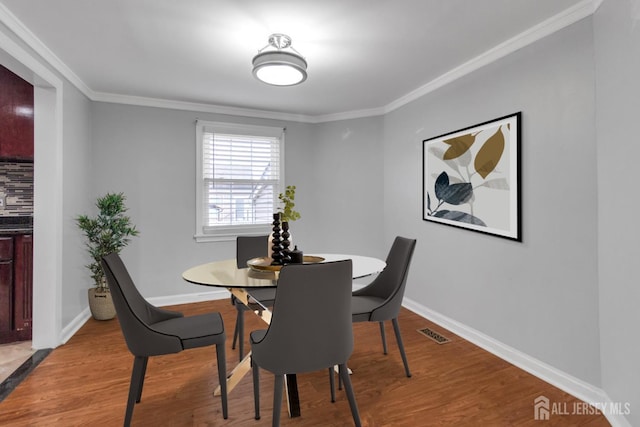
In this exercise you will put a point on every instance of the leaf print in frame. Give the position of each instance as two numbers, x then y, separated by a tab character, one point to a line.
471	178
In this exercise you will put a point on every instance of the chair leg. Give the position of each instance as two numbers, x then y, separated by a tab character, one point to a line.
235	331
222	376
135	386
256	388
332	385
235	336
396	329
384	338
278	389
240	326
141	377
344	374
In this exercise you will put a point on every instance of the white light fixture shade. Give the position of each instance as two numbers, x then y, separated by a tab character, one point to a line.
280	68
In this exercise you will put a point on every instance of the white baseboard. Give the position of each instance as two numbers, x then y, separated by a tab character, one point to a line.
74	326
566	382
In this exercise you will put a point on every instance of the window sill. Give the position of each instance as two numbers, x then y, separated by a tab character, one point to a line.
229	235
204	238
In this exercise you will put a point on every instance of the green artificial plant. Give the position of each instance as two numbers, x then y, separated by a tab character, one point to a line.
107	233
287	213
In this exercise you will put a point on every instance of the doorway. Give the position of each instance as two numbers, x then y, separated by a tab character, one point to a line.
16	207
47	200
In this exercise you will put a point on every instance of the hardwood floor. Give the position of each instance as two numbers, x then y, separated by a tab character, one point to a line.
85	383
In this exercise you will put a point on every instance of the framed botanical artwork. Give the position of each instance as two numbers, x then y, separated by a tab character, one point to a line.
471	178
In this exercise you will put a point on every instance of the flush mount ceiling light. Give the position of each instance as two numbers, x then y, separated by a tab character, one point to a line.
281	65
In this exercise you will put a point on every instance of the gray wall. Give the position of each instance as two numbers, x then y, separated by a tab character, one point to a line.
77	165
348	187
539	296
617	45
149	154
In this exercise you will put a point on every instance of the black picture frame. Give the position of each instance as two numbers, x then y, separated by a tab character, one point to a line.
471	178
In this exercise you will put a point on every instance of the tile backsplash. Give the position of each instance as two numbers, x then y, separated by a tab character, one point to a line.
16	182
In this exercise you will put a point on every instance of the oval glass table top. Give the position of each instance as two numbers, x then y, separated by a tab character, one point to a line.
226	274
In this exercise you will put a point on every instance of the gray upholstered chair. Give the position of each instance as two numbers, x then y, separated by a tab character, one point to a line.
151	331
310	329
382	298
248	247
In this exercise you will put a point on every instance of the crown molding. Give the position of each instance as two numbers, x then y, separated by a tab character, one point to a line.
596	5
22	32
199	107
233	111
569	16
347	115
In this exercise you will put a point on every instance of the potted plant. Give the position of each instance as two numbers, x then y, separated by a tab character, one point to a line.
106	233
287	213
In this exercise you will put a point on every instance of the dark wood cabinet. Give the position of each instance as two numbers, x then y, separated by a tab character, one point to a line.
16	287
16	117
23	284
6	288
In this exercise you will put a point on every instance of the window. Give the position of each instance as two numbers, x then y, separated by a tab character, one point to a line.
239	176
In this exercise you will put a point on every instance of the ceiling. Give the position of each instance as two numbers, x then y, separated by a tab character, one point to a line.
364	55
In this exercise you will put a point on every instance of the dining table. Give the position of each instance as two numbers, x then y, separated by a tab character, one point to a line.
259	273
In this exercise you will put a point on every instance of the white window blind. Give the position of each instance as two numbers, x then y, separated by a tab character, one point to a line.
240	177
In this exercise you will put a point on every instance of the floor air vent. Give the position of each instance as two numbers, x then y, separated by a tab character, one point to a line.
440	339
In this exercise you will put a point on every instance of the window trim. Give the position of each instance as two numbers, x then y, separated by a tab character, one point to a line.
229	233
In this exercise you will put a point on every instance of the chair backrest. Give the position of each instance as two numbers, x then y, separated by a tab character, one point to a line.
391	282
311	326
248	247
135	314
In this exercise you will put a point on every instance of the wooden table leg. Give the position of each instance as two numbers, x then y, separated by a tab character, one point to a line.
236	374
